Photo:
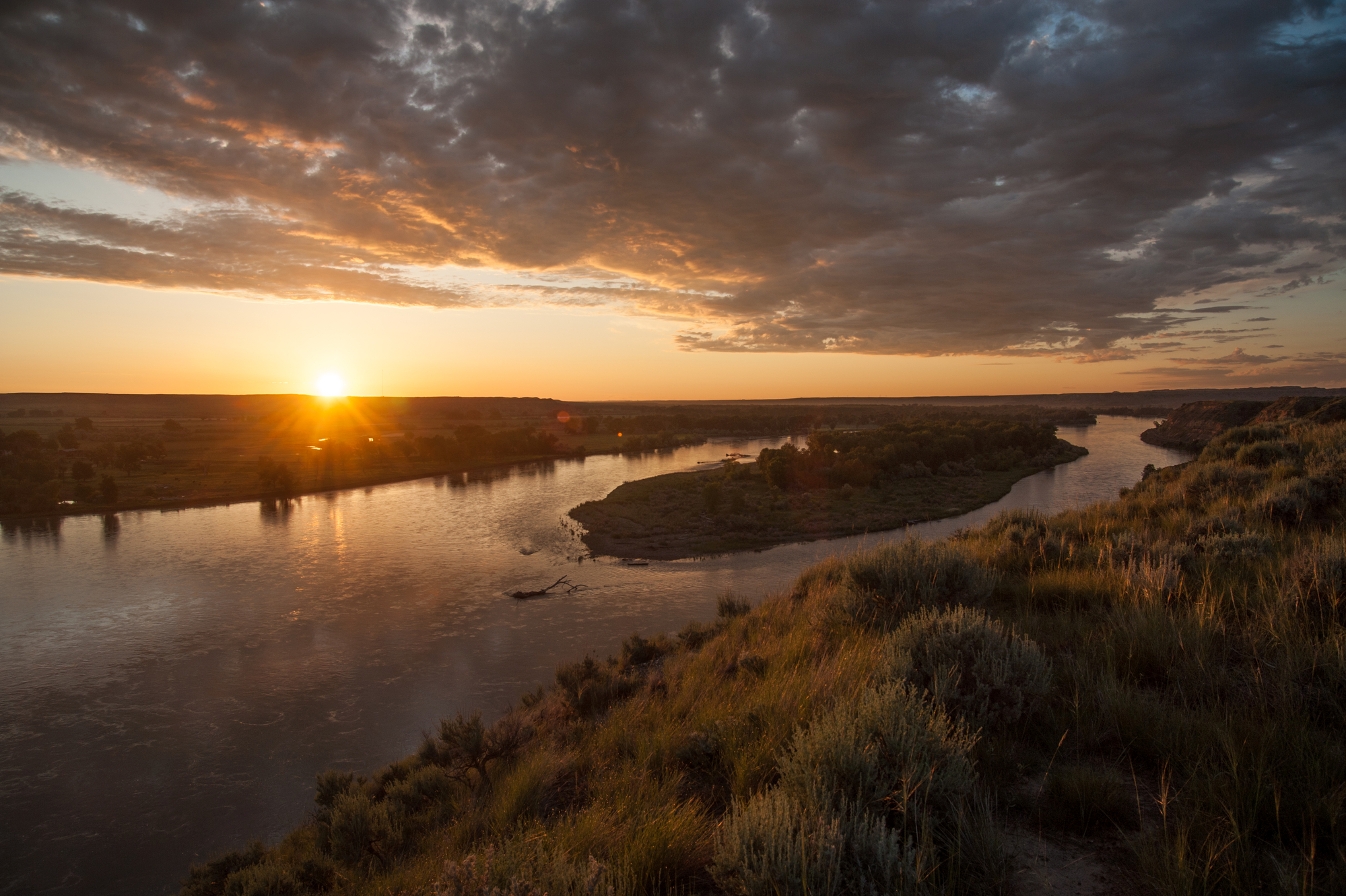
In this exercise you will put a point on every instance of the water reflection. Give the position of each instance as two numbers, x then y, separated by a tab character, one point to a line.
112	527
39	527
277	511
173	698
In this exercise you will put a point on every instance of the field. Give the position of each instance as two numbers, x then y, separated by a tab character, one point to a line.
1147	695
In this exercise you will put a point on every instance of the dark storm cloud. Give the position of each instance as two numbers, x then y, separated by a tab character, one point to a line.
1016	176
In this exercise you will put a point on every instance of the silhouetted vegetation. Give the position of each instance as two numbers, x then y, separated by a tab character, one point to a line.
29	468
906	450
1167	670
840	483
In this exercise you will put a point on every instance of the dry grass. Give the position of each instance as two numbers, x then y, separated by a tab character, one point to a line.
1194	704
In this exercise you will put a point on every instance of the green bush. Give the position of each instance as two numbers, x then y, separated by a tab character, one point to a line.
887	750
425	788
971	665
210	879
263	880
884	584
773	845
360	831
590	687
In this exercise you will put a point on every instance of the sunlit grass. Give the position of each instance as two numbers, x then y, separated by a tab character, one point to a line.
1168	669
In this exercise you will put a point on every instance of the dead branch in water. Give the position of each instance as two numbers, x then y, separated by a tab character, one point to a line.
562	582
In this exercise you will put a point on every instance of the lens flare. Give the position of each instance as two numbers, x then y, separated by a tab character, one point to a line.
331	385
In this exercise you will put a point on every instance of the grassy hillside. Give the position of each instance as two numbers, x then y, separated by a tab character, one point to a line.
1165	673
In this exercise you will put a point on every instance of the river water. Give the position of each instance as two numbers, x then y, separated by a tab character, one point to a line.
171	682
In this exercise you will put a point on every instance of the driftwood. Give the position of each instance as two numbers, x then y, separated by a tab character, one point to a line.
562	582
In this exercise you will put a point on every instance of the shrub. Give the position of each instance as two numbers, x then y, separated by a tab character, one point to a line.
887	750
209	879
1022	540
711	495
886	583
1264	454
360	831
467	749
590	687
263	880
773	845
730	605
971	665
423	789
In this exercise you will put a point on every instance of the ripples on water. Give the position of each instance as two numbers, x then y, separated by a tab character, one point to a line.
171	682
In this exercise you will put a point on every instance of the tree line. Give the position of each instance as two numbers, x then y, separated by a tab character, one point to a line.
903	450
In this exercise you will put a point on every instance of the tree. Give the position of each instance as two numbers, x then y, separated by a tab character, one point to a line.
107	488
711	494
81	470
83	424
275	476
172	426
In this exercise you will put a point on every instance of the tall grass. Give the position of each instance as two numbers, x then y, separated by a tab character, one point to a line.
1169	667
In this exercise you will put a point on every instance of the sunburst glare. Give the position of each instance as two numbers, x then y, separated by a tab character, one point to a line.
331	385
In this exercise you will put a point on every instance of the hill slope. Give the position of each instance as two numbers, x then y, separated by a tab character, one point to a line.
1155	684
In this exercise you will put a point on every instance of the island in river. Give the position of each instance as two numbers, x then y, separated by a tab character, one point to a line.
840	483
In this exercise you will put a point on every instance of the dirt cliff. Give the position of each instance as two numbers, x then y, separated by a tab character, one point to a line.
1191	426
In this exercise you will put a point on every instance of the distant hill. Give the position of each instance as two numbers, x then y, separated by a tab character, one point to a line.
145	406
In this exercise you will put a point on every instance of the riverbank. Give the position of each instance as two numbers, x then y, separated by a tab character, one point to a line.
241	494
1150	689
233	487
674	516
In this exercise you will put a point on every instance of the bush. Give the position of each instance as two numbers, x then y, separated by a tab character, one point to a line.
1263	454
263	880
887	750
210	879
1022	540
423	789
886	583
971	665
590	687
360	831
773	845
466	749
107	490
729	605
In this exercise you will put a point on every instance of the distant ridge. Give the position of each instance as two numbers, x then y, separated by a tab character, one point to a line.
186	406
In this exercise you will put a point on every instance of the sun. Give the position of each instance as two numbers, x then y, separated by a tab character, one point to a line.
331	385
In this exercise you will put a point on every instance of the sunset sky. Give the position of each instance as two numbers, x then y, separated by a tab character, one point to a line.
690	199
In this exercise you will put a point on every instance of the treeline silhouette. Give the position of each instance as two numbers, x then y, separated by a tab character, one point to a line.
904	450
33	467
754	421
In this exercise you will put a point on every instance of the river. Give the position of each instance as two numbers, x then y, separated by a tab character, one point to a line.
171	682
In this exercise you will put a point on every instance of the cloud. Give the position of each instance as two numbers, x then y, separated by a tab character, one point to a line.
1241	369
1020	177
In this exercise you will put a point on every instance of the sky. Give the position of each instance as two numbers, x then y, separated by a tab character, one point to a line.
690	199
